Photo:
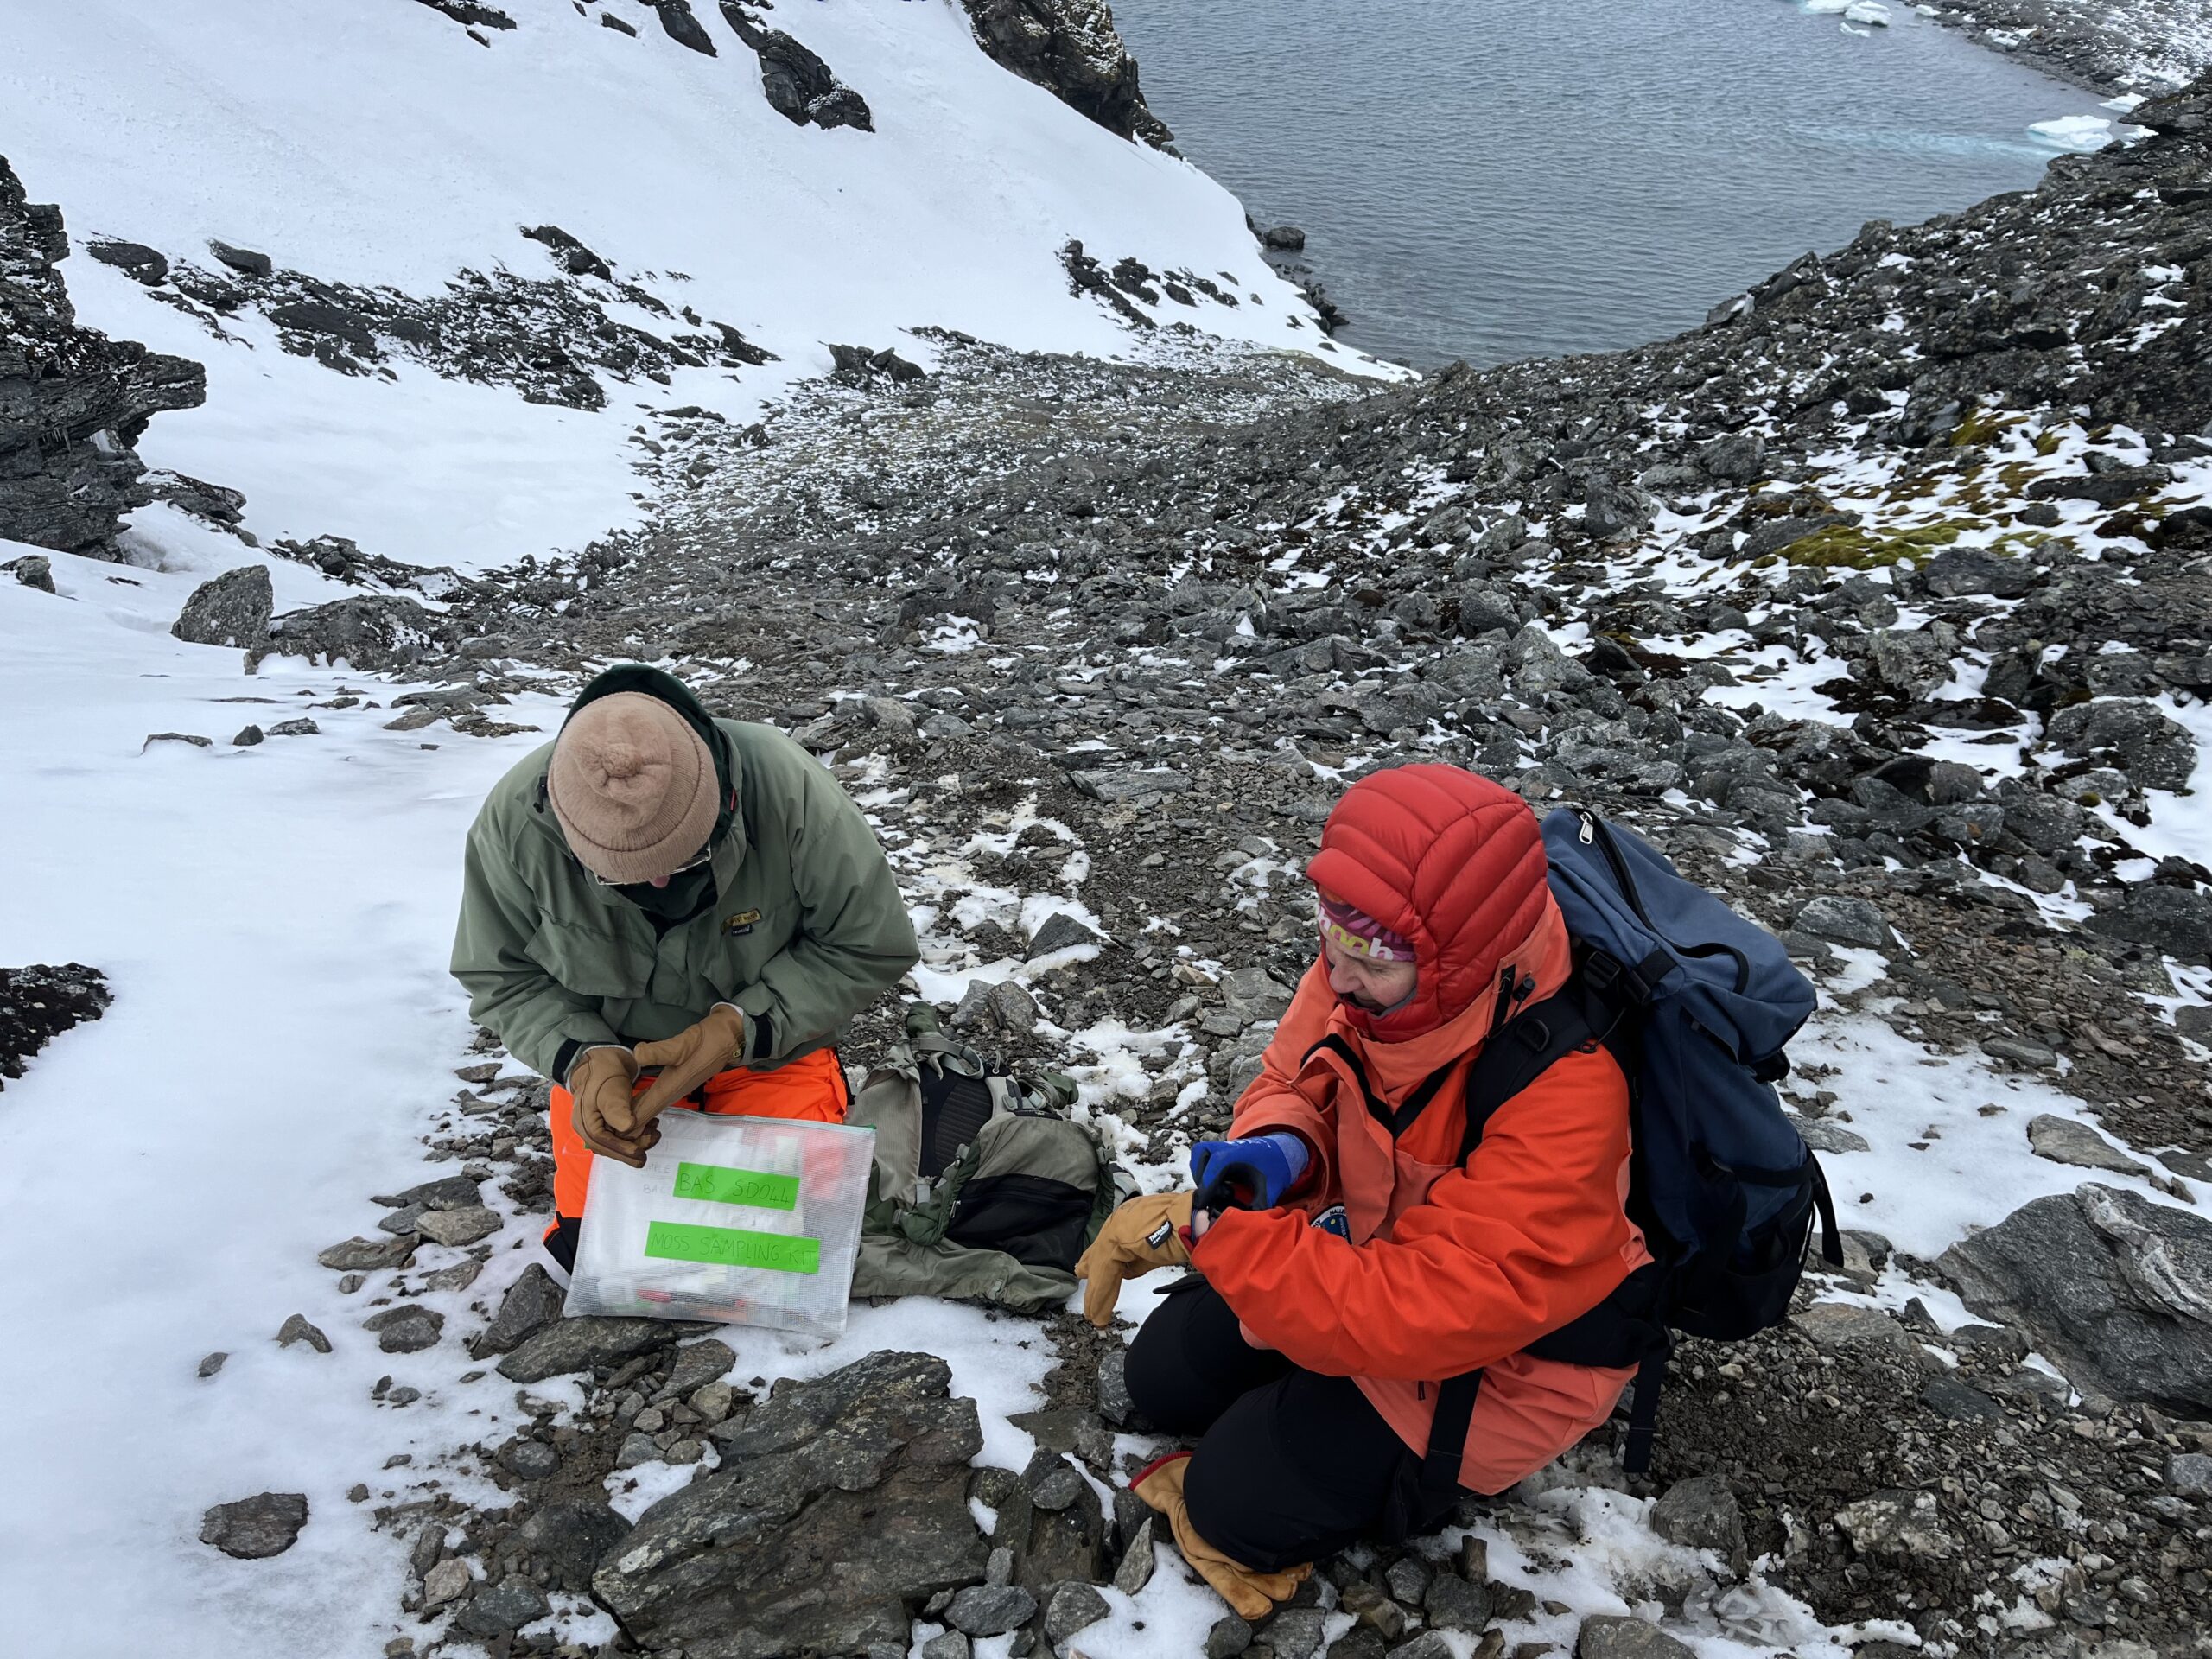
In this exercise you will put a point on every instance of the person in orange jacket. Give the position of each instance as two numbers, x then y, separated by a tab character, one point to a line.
1308	1356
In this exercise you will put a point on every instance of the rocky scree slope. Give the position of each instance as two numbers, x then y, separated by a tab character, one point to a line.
72	402
1879	603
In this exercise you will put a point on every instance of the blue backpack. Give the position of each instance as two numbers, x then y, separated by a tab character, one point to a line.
1695	1003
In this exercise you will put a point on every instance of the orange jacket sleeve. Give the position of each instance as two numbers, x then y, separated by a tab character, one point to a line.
1272	1101
1530	1235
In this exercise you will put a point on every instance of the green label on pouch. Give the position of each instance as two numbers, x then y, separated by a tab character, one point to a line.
733	1247
754	1186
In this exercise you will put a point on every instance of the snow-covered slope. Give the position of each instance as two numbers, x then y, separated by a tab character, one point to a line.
379	145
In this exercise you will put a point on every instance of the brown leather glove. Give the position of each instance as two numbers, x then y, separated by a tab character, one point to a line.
1250	1592
1143	1234
689	1057
600	1079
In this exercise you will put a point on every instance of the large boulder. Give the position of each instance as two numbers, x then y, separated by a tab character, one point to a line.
370	631
842	1508
234	609
2115	1288
2174	921
2135	735
72	402
800	86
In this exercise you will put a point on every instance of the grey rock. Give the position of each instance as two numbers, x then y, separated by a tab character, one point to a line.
1963	572
698	1363
1606	1635
1120	788
1839	1326
2173	921
296	1328
1429	1644
32	570
579	1344
1073	1607
1700	1513
2153	750
990	1610
503	1608
1137	1561
370	631
247	737
458	1226
1227	1637
1738	458
1283	239
1249	995
866	1467
244	261
1823	1136
447	1192
254	1529
1453	1603
406	1330
2190	1473
1406	1580
1295	1633
946	1644
1913	663
799	86
2020	1050
234	609
2115	1288
1845	921
532	1303
1959	1402
1114	1402
368	1255
1895	1524
1057	1488
301	728
2065	1141
1060	931
531	1459
320	317
212	1363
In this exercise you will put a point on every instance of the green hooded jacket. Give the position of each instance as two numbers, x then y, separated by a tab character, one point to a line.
807	927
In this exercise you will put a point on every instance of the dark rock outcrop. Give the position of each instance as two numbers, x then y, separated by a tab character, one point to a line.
1071	49
370	631
683	26
842	1510
800	86
38	1003
2117	1290
72	402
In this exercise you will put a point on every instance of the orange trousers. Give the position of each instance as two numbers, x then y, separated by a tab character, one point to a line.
811	1087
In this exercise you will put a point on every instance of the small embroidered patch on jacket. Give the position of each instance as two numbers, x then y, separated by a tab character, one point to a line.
740	923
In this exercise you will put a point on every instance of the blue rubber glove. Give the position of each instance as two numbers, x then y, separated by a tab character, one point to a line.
1270	1165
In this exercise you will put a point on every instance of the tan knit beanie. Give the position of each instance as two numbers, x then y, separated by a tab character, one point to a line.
634	787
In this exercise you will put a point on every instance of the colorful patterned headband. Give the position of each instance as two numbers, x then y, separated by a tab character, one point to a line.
1360	934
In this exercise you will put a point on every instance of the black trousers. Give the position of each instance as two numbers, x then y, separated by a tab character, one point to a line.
1290	1466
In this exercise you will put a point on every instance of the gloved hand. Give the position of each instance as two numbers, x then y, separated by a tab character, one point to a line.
601	1080
1265	1166
689	1057
1143	1234
1251	1593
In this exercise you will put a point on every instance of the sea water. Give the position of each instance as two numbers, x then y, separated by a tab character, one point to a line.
1498	179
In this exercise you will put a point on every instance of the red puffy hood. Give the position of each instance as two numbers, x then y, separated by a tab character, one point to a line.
1453	861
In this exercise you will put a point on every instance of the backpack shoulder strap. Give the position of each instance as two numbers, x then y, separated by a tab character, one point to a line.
1525	1047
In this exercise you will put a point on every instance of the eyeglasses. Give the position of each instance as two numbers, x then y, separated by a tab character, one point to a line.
705	855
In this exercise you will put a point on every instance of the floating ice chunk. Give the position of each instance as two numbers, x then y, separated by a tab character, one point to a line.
1872	12
2124	103
2079	132
1861	33
1825	8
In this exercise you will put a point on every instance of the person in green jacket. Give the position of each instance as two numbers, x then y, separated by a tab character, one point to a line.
656	888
